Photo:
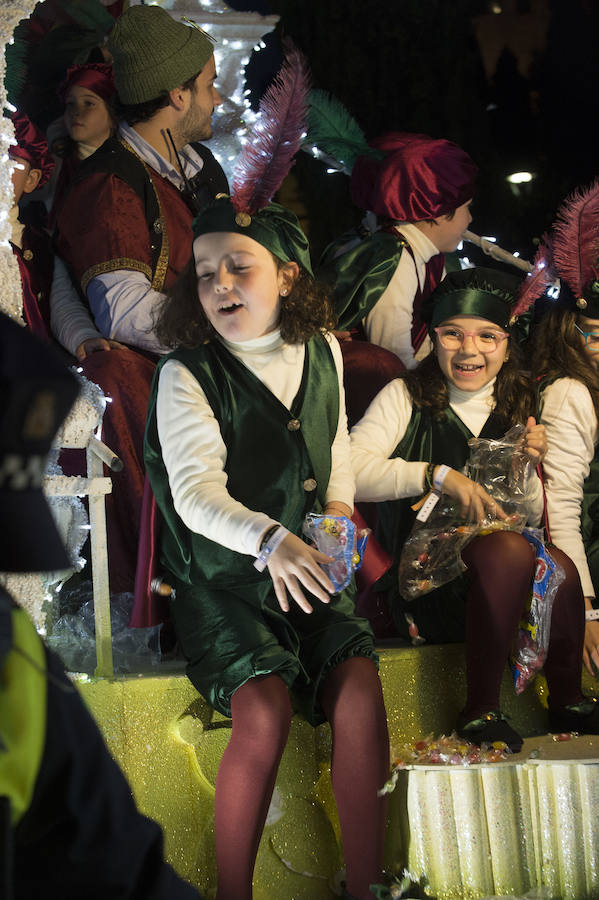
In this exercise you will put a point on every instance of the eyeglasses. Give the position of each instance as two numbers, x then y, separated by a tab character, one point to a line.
591	339
486	340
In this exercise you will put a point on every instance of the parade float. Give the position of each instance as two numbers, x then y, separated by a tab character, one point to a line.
461	825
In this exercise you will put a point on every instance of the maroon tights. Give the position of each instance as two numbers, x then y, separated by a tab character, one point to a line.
501	568
352	700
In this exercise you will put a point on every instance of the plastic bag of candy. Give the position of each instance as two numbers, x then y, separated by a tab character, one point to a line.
337	536
431	555
532	639
503	468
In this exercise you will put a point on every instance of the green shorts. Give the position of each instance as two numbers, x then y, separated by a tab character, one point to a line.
231	636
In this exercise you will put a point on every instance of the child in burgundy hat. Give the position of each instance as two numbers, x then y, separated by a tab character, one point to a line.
418	191
87	93
30	243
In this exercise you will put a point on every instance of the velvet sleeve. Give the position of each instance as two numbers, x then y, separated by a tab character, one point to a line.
102	228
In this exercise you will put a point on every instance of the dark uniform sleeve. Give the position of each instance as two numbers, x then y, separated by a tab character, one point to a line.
82	836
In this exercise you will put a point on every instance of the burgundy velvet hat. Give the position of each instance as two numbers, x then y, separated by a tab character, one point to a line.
96	77
31	145
419	178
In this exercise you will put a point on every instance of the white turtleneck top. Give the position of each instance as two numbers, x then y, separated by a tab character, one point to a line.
383	426
195	455
572	435
389	323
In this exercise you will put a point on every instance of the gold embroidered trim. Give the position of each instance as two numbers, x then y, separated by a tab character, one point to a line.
165	249
113	265
162	264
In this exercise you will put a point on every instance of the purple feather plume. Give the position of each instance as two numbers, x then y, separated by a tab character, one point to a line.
540	278
276	136
576	238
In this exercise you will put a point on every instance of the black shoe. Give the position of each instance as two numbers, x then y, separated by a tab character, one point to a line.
489	728
582	717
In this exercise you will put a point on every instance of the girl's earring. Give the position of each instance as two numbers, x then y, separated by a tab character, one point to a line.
284	292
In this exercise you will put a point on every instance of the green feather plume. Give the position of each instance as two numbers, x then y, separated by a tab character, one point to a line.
335	133
15	55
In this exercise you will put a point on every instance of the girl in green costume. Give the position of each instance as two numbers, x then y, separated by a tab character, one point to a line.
246	435
565	356
415	434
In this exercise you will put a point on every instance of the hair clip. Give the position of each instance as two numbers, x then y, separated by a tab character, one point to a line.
195	25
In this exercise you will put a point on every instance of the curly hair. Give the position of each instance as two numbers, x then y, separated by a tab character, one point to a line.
514	392
557	352
181	322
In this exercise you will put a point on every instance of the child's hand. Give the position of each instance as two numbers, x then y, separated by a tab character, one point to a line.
294	564
476	504
535	441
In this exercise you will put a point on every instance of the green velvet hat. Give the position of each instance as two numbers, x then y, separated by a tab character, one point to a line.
486	293
264	162
273	226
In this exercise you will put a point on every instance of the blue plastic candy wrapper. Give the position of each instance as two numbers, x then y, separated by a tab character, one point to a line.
337	536
532	638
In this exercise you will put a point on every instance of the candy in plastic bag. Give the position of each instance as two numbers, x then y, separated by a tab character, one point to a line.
337	536
532	639
503	468
431	555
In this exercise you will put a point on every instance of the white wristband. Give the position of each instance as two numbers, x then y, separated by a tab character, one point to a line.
591	614
441	473
269	548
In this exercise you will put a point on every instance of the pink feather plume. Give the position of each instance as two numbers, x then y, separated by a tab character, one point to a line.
275	138
537	282
576	238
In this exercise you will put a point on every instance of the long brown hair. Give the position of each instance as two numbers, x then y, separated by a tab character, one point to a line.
514	391
557	352
181	322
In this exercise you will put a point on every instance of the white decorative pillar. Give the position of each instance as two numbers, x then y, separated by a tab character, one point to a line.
11	294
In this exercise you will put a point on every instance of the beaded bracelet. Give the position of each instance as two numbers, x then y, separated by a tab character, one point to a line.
268	548
428	477
267	535
591	614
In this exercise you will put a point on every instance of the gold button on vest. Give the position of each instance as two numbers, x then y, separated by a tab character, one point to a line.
293	425
309	484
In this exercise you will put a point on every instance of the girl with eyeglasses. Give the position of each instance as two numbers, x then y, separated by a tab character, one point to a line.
566	356
414	437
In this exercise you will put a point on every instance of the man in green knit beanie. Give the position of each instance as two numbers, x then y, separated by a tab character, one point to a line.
137	185
124	230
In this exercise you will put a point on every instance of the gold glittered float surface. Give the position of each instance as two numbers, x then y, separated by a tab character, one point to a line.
464	832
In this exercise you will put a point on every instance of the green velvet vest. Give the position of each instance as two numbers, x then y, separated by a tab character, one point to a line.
428	438
274	455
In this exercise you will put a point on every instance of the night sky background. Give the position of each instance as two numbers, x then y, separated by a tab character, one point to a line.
513	82
446	69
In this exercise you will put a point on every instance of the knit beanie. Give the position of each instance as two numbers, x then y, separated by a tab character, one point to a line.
152	53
